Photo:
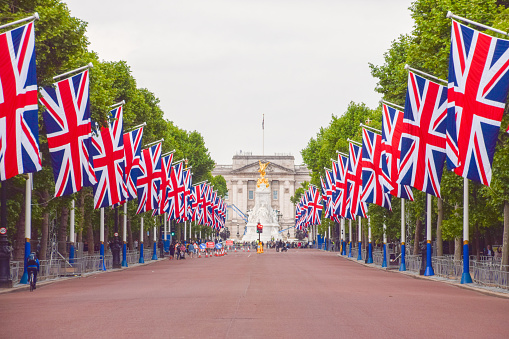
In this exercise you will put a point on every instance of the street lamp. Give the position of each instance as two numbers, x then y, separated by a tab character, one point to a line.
238	234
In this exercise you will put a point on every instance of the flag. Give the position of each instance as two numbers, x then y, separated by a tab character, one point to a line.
19	124
132	151
108	157
478	85
188	184
197	201
375	184
164	187
69	132
176	192
392	128
354	179
315	205
342	198
423	136
150	178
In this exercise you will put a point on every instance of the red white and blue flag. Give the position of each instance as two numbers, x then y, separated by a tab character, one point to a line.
198	197
342	195
69	132
132	151
176	192
108	157
19	122
354	179
392	128
164	187
423	137
187	205
150	178
315	205
375	184
478	85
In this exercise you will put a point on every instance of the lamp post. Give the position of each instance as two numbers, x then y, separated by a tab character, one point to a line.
238	234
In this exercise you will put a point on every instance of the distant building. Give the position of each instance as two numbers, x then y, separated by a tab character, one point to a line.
241	176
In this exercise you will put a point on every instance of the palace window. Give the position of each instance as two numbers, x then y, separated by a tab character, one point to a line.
251	195
274	195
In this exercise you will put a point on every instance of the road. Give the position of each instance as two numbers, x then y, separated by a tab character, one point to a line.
299	294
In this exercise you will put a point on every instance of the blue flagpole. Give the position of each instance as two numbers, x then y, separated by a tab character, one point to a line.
142	260
124	236
429	268
359	254
402	266
465	277
384	248
370	245
101	238
154	255
28	228
71	234
350	238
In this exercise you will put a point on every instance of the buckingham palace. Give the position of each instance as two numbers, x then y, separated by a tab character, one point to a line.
284	178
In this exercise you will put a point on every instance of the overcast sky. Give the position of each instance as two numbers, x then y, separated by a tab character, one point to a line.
218	65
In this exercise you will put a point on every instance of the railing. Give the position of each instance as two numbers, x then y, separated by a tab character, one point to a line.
51	269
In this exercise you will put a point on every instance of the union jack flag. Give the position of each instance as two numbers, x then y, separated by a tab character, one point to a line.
163	204
375	184
392	128
315	205
176	192
197	201
478	85
342	197
328	187
150	178
19	126
108	157
354	178
188	184
423	139
69	131
132	150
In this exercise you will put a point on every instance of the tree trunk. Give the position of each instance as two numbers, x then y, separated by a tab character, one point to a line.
90	236
505	240
62	232
417	235
440	217
476	242
457	248
44	226
19	246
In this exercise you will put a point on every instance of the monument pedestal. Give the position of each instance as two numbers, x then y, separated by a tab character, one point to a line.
264	214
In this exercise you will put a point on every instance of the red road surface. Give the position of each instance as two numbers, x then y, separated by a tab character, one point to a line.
298	294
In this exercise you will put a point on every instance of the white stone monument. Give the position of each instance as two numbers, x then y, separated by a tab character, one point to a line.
262	212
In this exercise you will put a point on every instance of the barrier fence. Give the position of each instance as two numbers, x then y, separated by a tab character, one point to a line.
486	271
54	268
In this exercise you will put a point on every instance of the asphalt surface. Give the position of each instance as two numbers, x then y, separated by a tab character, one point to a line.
299	294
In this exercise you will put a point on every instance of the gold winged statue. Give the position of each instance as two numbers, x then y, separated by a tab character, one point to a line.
262	179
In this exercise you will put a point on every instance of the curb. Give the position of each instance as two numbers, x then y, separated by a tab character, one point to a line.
455	283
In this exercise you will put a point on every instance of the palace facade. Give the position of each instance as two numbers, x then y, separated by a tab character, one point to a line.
284	178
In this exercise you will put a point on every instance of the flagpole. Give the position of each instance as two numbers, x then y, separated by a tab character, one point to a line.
402	266
465	277
384	260
370	246
71	233
101	238
343	237
142	260
154	254
263	135
35	17
407	67
429	267
359	236
350	238
135	127
371	128
154	142
394	105
89	65
124	238
185	230
165	230
28	228
454	16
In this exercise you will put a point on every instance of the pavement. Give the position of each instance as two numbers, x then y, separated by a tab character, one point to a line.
298	294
